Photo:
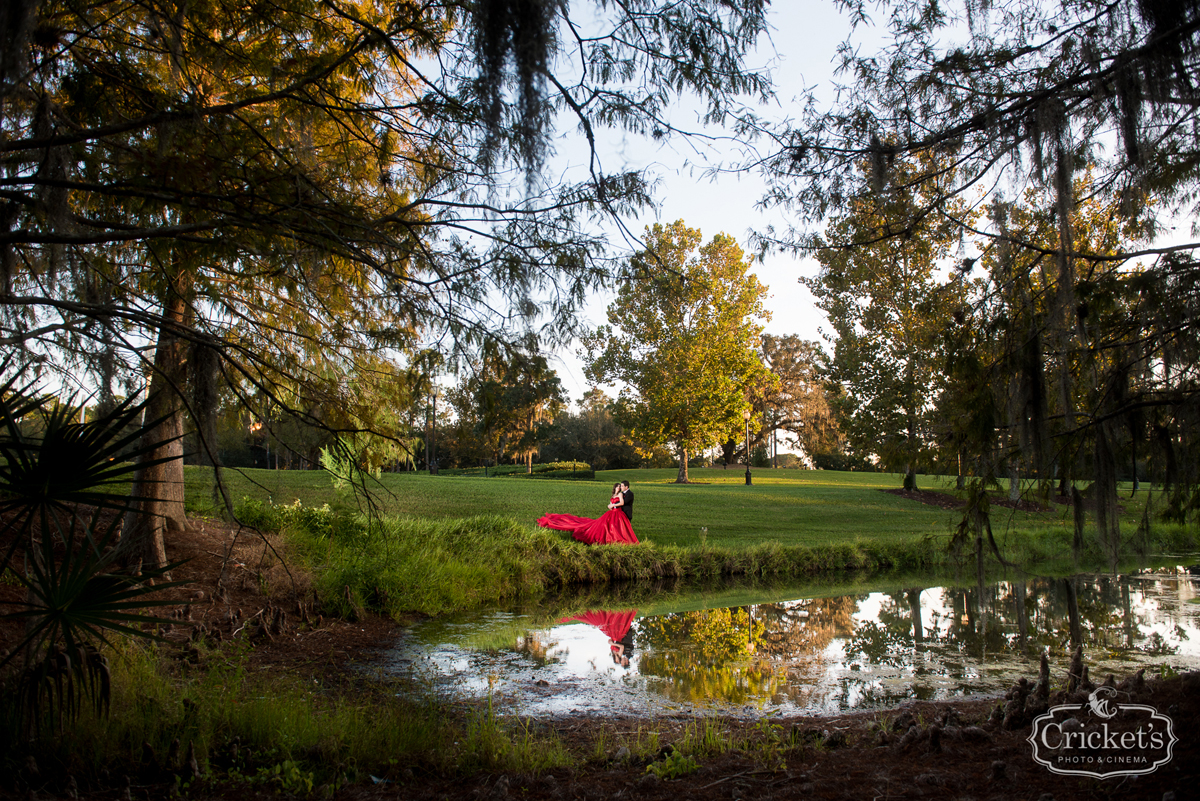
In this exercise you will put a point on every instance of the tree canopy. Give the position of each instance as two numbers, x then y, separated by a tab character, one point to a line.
886	311
270	195
682	337
797	403
966	108
1006	93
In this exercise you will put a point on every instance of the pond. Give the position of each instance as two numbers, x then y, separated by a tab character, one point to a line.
752	650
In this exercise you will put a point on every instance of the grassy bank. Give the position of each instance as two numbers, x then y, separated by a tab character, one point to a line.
398	563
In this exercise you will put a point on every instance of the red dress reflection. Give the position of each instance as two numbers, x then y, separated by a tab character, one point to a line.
613	527
616	625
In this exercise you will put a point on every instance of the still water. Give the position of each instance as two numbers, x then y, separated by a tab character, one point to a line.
753	650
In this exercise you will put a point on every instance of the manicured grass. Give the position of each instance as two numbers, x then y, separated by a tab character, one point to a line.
437	543
792	507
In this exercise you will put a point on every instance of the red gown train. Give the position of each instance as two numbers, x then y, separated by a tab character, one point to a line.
615	625
612	527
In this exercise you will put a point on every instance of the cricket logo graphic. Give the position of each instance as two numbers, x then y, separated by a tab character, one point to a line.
1103	738
1098	702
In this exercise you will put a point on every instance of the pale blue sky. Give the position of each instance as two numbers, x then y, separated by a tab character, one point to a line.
800	53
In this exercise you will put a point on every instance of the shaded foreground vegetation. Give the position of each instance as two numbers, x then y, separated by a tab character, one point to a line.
240	700
226	718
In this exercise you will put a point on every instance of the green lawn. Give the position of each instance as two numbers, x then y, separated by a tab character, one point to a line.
454	542
794	507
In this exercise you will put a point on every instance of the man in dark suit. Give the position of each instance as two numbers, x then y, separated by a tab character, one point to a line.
627	500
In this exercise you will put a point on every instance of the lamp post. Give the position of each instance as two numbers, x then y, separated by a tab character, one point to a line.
431	455
746	417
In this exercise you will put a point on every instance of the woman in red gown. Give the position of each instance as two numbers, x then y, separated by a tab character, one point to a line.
613	527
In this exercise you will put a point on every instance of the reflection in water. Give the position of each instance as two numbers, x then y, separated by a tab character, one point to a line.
817	654
705	655
618	626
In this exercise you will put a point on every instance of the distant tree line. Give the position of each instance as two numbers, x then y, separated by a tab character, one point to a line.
507	420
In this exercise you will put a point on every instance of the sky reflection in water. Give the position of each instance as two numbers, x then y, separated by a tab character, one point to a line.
809	654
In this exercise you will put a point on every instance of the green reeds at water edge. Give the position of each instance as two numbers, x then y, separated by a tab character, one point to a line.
403	565
399	565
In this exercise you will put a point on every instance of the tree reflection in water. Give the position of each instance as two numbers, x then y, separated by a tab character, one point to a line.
912	642
708	655
824	654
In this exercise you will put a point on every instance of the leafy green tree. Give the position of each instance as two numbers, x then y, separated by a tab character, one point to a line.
885	309
525	401
504	410
683	338
459	434
590	434
797	403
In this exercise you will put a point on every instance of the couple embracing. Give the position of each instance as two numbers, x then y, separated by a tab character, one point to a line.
614	526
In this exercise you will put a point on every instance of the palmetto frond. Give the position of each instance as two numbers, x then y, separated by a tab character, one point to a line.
50	462
62	492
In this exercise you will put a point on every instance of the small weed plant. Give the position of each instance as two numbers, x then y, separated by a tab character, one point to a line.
706	737
769	743
673	766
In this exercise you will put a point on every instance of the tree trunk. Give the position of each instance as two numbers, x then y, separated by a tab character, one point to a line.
914	605
682	478
1073	621
1133	459
157	492
1022	620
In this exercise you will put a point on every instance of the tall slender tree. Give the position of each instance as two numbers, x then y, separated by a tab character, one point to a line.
886	309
